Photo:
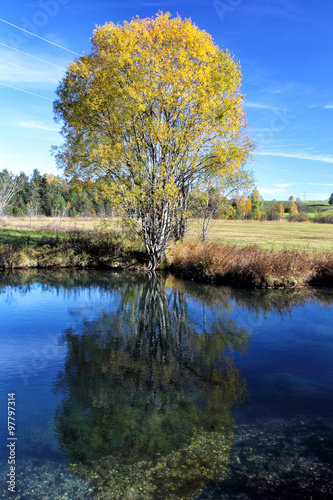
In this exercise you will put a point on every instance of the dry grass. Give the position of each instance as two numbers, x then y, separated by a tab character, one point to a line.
249	266
63	224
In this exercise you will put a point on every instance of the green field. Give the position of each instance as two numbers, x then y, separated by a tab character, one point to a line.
10	236
269	235
316	206
312	208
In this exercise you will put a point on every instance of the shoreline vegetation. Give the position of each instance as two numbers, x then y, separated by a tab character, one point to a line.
215	262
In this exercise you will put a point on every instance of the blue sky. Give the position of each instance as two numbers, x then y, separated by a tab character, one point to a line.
284	48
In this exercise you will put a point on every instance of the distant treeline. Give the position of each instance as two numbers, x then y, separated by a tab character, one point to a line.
50	195
300	211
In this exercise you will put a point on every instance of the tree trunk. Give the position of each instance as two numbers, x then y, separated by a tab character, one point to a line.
181	217
155	233
179	230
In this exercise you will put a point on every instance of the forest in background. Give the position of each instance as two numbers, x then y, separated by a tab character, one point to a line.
53	196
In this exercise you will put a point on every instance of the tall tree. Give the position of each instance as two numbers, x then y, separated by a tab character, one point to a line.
21	198
257	201
53	200
241	207
248	205
214	195
272	212
9	187
293	210
156	106
244	205
36	190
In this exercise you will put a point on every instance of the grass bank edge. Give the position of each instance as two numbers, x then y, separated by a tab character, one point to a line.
249	266
211	262
85	249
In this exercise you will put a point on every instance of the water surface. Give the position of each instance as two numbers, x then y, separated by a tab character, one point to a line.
135	387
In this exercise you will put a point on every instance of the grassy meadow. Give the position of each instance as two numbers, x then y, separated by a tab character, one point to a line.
51	224
267	235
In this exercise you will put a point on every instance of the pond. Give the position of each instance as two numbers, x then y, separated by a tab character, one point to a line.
133	387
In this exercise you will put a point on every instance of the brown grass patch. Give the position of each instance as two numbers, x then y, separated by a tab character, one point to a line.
248	266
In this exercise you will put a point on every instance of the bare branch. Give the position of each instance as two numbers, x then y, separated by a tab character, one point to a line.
9	187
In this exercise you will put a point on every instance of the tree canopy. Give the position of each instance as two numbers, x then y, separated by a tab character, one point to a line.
153	110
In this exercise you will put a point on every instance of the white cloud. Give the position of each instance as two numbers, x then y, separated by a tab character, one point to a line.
326	184
259	105
297	156
318	184
19	74
17	68
262	167
319	196
37	125
328	106
266	191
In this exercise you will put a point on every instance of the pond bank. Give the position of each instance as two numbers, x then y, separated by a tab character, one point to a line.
215	263
250	266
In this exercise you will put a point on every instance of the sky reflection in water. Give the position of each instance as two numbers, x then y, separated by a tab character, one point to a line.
149	378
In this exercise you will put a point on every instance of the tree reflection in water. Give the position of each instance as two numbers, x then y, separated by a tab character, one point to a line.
146	394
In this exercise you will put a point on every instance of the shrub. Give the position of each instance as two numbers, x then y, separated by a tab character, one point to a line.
73	212
318	216
17	212
302	217
328	219
323	219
